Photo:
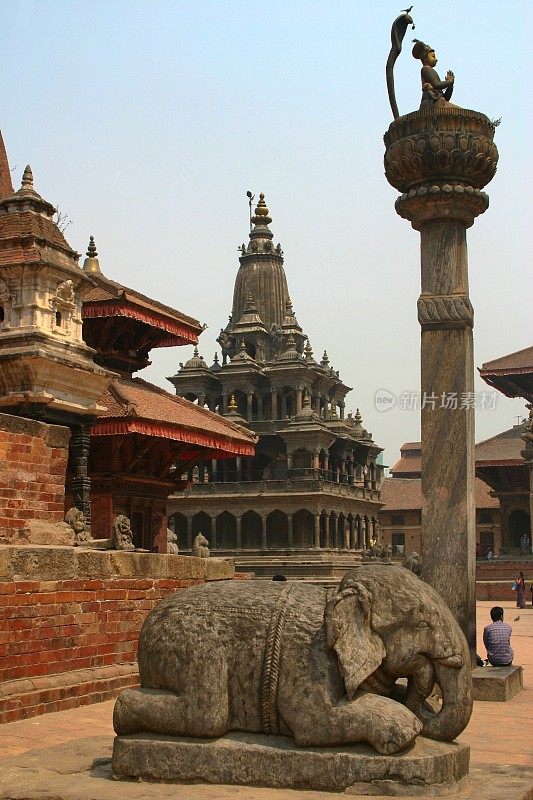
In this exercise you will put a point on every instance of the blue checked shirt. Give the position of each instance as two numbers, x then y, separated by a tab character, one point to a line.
497	640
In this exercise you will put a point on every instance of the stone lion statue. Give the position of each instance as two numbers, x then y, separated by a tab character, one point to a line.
122	536
413	562
200	546
75	518
303	660
172	542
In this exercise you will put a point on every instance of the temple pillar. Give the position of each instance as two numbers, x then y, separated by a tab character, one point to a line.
289	461
274	403
317	531
441	201
342	407
214	543
224	402
283	406
263	533
214	470
316	460
238	470
81	483
289	532
189	533
238	532
260	408
299	393
249	406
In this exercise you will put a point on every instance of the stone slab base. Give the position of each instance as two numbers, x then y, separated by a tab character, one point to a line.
428	768
497	684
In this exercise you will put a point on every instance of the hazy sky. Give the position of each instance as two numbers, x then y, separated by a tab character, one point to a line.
146	122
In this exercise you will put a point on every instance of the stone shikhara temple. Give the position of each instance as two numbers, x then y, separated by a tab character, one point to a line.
314	481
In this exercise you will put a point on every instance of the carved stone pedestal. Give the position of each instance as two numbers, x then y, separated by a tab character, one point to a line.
428	768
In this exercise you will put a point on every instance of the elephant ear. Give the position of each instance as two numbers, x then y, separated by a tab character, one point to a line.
359	649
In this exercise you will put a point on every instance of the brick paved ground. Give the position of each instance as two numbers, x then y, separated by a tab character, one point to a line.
498	734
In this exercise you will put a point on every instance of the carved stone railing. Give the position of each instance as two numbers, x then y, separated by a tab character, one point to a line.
290	485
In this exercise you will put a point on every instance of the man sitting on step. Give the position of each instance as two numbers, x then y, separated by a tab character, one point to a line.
497	640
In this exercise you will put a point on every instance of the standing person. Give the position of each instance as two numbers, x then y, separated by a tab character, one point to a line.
520	591
524	545
497	639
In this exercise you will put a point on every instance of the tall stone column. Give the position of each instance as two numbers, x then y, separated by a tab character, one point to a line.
440	158
80	441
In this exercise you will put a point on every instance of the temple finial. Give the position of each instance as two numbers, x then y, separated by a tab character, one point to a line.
261	212
27	178
91	263
91	249
232	405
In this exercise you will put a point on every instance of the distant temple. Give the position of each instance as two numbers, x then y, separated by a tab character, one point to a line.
314	481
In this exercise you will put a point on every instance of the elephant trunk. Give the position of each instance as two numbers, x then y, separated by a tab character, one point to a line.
456	687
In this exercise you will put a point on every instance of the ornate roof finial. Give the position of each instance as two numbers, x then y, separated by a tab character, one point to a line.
91	250
357	418
27	178
91	263
232	405
325	360
196	353
215	359
261	216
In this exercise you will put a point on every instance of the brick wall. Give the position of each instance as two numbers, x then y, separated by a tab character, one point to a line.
70	643
33	463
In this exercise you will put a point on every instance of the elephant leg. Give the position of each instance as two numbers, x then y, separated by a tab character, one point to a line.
384	724
202	709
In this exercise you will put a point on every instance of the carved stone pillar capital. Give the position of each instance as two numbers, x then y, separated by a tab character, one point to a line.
449	201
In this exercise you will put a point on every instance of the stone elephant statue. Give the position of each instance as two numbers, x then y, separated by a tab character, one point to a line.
316	663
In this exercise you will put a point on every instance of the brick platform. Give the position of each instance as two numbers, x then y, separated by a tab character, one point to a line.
66	643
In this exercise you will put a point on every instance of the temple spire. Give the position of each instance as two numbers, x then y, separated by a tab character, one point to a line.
6	185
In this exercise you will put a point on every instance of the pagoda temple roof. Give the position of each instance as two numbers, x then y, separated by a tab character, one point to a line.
136	406
107	298
504	449
511	374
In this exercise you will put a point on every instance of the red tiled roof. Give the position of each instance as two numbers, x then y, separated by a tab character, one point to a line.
410	446
106	289
109	299
504	448
410	464
405	494
135	406
521	361
401	494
